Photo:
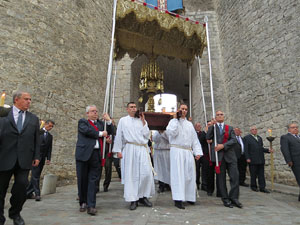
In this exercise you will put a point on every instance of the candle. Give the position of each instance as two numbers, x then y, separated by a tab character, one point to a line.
42	124
270	132
2	100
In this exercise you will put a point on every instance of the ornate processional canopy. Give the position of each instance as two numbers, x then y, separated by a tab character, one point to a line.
142	30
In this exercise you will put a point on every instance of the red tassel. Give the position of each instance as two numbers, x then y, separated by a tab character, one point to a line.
217	169
204	25
197	22
145	4
109	155
177	15
167	12
132	0
187	19
156	8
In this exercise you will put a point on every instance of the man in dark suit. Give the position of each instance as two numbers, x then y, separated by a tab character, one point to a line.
108	161
227	159
203	162
240	154
19	151
290	148
254	153
46	140
88	157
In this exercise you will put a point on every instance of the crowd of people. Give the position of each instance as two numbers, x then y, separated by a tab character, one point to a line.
182	154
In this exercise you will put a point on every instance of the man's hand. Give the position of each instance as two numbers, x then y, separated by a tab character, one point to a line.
213	121
119	154
106	117
35	162
290	164
271	150
47	162
209	141
248	161
219	147
197	157
104	133
108	140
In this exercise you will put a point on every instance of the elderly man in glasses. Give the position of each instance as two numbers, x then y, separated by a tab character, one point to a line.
224	147
290	148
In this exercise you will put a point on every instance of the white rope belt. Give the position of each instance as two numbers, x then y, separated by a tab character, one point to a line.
149	159
134	143
182	147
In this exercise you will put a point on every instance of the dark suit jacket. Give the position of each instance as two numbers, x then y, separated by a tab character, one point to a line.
23	147
290	148
228	151
46	145
254	150
238	148
202	138
87	136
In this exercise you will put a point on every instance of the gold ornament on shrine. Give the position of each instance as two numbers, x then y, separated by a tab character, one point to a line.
151	82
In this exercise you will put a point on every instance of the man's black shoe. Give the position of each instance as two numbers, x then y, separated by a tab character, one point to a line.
38	198
254	189
19	220
191	203
145	202
244	184
179	205
133	205
265	191
236	203
92	211
227	203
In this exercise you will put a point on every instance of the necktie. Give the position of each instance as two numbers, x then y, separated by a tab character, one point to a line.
20	121
45	134
220	128
238	139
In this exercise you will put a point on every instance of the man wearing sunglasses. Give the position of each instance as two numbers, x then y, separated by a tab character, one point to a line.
290	148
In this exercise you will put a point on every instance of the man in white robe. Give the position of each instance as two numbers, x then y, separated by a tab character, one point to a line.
184	145
161	159
131	145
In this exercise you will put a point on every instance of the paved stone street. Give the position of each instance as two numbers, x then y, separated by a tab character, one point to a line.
279	207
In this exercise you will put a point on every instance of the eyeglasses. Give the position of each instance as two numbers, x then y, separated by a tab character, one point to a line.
294	127
93	111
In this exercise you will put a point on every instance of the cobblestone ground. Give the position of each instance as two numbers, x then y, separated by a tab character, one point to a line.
62	208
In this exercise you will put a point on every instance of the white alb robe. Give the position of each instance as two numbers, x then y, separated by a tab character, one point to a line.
182	163
136	167
161	157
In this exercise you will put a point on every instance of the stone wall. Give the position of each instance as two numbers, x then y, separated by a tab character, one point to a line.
261	48
58	51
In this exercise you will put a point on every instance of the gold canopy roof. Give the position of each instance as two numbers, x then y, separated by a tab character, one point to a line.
141	30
